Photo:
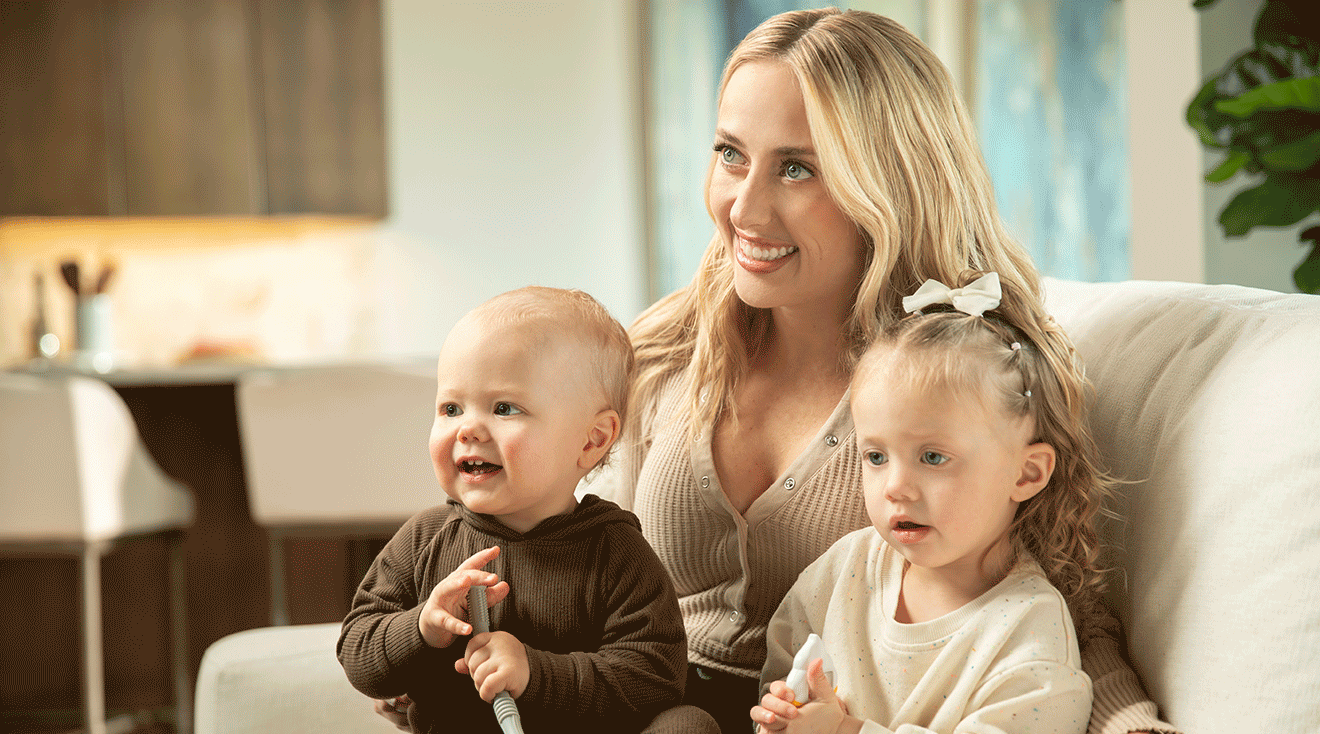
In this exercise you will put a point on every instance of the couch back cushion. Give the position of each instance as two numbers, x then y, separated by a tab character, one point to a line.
1208	403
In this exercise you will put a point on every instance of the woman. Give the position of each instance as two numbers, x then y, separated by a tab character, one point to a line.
845	172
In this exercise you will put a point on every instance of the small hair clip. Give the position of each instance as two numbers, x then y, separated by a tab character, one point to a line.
1026	394
1015	346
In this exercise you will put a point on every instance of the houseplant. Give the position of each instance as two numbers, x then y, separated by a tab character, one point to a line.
1263	110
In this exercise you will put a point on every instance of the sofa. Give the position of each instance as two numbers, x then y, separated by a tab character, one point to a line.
1207	407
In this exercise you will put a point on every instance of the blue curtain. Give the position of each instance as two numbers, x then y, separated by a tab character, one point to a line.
1051	106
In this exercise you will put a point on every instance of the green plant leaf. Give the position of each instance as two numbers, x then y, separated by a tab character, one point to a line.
1289	94
1307	274
1231	165
1281	200
1205	119
1298	155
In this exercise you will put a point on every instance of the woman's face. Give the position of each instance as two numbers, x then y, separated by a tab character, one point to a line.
791	246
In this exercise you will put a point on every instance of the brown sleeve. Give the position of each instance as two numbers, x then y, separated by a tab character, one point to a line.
1120	703
380	645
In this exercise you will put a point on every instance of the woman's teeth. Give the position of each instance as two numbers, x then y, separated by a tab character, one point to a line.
767	254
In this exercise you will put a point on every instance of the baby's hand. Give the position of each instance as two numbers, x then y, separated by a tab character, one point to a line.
443	616
497	661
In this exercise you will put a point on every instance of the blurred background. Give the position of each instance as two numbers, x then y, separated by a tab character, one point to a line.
311	180
297	182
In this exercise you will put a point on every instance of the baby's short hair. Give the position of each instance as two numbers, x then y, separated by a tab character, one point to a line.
573	314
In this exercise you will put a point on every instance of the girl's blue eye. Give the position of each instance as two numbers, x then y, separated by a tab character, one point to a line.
875	458
506	409
933	458
797	172
450	410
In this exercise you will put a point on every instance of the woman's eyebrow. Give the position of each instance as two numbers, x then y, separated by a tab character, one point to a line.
784	152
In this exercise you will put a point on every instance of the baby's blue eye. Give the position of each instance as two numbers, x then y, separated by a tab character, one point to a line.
506	409
934	458
875	458
797	172
451	410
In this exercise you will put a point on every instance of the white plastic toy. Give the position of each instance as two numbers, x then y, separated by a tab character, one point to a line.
813	648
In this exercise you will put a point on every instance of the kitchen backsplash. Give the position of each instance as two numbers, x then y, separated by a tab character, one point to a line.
282	291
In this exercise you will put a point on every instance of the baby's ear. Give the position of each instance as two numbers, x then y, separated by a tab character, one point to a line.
601	436
1037	467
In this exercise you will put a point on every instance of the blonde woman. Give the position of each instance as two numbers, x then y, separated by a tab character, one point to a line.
844	173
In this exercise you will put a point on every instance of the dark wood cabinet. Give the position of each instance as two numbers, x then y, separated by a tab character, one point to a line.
321	71
196	107
54	146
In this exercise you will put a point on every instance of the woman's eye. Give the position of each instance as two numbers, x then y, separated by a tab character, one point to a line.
506	409
451	410
728	155
875	458
933	458
797	172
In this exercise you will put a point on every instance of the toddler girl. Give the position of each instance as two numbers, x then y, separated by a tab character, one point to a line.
981	481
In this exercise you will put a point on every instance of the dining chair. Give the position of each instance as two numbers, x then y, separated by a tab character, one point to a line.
335	450
75	479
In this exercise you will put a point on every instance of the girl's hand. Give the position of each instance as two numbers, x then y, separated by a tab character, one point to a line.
776	708
497	661
824	713
444	615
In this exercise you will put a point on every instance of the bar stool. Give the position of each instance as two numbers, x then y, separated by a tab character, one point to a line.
339	450
74	479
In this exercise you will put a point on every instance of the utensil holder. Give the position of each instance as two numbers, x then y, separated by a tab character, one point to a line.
94	327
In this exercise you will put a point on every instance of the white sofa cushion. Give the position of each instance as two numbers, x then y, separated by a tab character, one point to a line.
1208	401
280	679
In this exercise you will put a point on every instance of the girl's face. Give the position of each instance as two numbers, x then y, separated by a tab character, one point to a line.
790	245
943	473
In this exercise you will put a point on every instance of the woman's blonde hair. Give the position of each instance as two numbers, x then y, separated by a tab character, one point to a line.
1025	368
898	156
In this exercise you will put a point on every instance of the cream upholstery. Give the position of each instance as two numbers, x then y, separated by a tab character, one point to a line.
1209	404
280	679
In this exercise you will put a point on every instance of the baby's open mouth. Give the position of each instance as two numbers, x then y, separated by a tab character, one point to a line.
478	467
908	525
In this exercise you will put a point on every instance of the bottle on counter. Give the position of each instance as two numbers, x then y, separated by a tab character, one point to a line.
45	344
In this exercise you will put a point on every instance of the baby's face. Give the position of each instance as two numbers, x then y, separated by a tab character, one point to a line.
513	422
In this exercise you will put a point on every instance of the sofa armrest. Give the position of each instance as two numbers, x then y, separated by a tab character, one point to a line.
280	679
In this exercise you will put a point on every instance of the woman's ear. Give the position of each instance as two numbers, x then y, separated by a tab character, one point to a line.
1037	467
601	436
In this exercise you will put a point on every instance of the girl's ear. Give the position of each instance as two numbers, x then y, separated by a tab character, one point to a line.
601	436
1037	466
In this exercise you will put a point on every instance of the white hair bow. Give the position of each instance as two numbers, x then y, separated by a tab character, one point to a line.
975	298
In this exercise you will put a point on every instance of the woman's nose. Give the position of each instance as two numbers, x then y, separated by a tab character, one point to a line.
751	203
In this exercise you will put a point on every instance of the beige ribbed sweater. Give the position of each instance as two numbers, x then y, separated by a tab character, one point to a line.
731	571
